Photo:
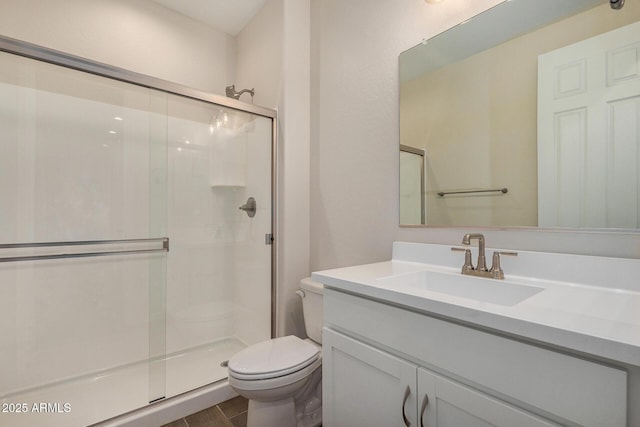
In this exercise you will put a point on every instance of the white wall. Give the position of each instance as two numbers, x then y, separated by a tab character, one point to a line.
138	35
294	159
354	156
259	55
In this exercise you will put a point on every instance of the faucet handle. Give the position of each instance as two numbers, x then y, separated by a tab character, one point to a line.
468	266
496	270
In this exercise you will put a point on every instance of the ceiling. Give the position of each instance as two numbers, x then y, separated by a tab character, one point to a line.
229	16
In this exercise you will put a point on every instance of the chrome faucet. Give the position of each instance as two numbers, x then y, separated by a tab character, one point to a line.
495	272
482	260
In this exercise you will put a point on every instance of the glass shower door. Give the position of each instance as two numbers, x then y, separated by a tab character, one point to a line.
135	241
82	254
219	214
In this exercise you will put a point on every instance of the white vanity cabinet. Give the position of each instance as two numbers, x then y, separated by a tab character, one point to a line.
445	403
365	386
381	360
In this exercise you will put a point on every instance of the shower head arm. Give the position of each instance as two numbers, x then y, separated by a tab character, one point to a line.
232	93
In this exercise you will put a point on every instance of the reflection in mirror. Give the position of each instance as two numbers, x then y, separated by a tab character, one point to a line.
412	185
542	98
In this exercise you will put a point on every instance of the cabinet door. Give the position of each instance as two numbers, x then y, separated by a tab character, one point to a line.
444	403
365	387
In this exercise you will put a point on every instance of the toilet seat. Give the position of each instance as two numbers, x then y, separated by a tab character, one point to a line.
273	358
271	384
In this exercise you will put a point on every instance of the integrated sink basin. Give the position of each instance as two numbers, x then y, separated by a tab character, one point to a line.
502	292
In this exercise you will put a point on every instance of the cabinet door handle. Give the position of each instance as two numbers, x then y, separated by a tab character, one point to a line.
407	392
425	402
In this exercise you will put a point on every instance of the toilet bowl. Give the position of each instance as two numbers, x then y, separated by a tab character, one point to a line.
282	377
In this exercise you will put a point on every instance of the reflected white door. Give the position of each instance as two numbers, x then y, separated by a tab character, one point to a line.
588	136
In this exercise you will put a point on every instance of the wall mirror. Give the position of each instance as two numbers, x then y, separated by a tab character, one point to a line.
528	115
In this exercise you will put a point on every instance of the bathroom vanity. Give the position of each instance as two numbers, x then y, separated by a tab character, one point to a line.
412	342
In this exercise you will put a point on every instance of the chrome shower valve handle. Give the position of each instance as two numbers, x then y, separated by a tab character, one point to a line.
250	207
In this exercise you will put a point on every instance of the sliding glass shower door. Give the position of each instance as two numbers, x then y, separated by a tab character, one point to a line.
135	256
219	219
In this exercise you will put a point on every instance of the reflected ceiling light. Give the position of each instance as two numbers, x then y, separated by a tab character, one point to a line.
118	118
230	120
218	120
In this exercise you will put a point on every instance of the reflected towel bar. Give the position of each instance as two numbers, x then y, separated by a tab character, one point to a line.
163	240
502	190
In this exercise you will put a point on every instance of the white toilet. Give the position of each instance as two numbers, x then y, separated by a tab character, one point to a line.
282	377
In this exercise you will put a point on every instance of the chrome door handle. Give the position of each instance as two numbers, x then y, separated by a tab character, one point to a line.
425	402
407	392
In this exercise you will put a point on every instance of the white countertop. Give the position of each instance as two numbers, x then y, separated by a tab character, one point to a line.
603	321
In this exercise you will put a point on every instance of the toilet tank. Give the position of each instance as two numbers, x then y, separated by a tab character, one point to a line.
311	294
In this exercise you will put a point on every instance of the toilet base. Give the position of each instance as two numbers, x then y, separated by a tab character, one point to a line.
281	413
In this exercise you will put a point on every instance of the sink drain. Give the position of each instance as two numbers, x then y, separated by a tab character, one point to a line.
225	364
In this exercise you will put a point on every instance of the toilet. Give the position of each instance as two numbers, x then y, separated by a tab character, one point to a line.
282	377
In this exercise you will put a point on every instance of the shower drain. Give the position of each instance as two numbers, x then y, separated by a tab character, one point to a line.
225	364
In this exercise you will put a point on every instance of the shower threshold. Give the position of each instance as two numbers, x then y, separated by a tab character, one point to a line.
93	398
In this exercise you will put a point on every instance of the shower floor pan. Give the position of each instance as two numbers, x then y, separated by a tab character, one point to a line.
94	398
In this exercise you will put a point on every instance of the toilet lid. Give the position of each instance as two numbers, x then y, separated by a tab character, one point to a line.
273	358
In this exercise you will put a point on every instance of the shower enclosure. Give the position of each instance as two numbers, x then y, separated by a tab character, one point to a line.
131	267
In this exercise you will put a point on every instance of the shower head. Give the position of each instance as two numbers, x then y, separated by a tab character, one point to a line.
232	93
616	4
